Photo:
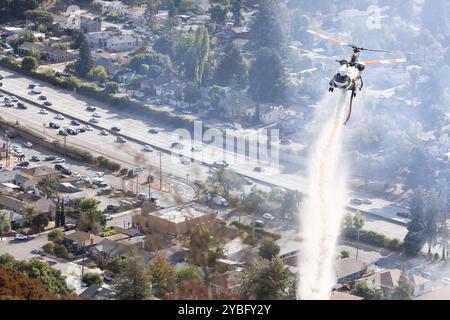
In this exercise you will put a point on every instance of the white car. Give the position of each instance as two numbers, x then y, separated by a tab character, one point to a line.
148	148
43	111
93	120
185	160
59	117
99	174
76	175
28	144
104	132
96	115
88	128
446	280
268	216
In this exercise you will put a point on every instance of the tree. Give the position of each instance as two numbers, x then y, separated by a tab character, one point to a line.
134	281
188	290
204	251
5	223
61	251
421	169
165	45
358	221
39	222
268	249
163	274
232	70
189	273
291	201
151	10
191	93
363	290
29	64
226	180
17	286
216	94
237	16
29	213
268	280
404	289
48	186
345	254
39	17
92	278
99	73
200	53
91	218
267	77
218	13
415	238
84	62
56	235
270	28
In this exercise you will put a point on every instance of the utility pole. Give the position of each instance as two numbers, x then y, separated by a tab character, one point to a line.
84	255
149	182
357	246
160	170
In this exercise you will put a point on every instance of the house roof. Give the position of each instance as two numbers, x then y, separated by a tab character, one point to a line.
442	293
27	46
389	278
336	295
80	236
94	291
228	280
348	266
39	171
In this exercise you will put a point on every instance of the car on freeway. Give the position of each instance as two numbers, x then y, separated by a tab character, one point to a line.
28	144
99	174
148	148
36	91
104	132
248	181
446	280
42	97
21	105
185	160
91	108
268	216
80	130
75	122
196	149
43	111
259	223
153	130
93	120
116	129
50	158
47	103
367	201
54	125
259	169
71	131
14	99
96	115
176	145
59	117
35	158
88	128
285	141
221	164
121	139
356	201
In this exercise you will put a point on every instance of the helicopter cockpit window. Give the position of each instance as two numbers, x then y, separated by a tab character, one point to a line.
341	78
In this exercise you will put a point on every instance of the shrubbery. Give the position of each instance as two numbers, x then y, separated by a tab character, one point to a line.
108	164
373	238
259	231
92	278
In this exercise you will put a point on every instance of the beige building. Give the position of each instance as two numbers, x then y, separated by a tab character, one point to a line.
38	173
176	220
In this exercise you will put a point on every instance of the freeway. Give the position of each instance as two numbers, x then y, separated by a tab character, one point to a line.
136	127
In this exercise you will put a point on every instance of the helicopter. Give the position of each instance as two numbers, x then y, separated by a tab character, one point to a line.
348	75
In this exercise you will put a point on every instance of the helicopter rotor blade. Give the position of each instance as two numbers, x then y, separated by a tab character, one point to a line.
322	36
375	50
368	62
314	53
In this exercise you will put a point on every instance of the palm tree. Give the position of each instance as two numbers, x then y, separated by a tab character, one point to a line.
5	223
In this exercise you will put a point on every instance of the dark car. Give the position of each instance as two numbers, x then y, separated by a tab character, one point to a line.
116	129
403	214
24	163
62	133
91	108
47	103
80	130
63	169
35	158
154	131
21	105
75	122
259	223
42	98
71	131
53	125
50	158
69	226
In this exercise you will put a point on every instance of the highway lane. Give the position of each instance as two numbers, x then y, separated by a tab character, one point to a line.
137	128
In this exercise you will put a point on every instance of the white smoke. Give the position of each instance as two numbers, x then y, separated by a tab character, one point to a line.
324	207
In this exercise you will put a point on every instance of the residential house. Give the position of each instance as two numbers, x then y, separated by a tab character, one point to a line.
80	240
17	220
387	280
229	281
233	33
109	249
272	114
336	295
109	6
349	269
121	43
26	47
3	151
7	187
107	61
125	76
23	200
98	39
38	173
95	292
90	25
442	293
56	54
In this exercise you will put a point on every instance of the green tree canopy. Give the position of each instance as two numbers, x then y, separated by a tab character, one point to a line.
29	64
268	249
134	281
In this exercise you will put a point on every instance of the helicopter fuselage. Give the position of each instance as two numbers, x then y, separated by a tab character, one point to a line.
348	76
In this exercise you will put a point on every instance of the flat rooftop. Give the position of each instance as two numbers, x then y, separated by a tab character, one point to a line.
182	213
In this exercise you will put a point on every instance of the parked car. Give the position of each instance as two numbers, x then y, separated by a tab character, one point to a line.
96	115
88	128
259	169
37	251
99	174
50	158
176	145
63	133
268	216
367	201
35	158
403	214
259	223
248	181
28	144
185	160
42	98
69	226
58	160
220	201
71	131
22	237
80	130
